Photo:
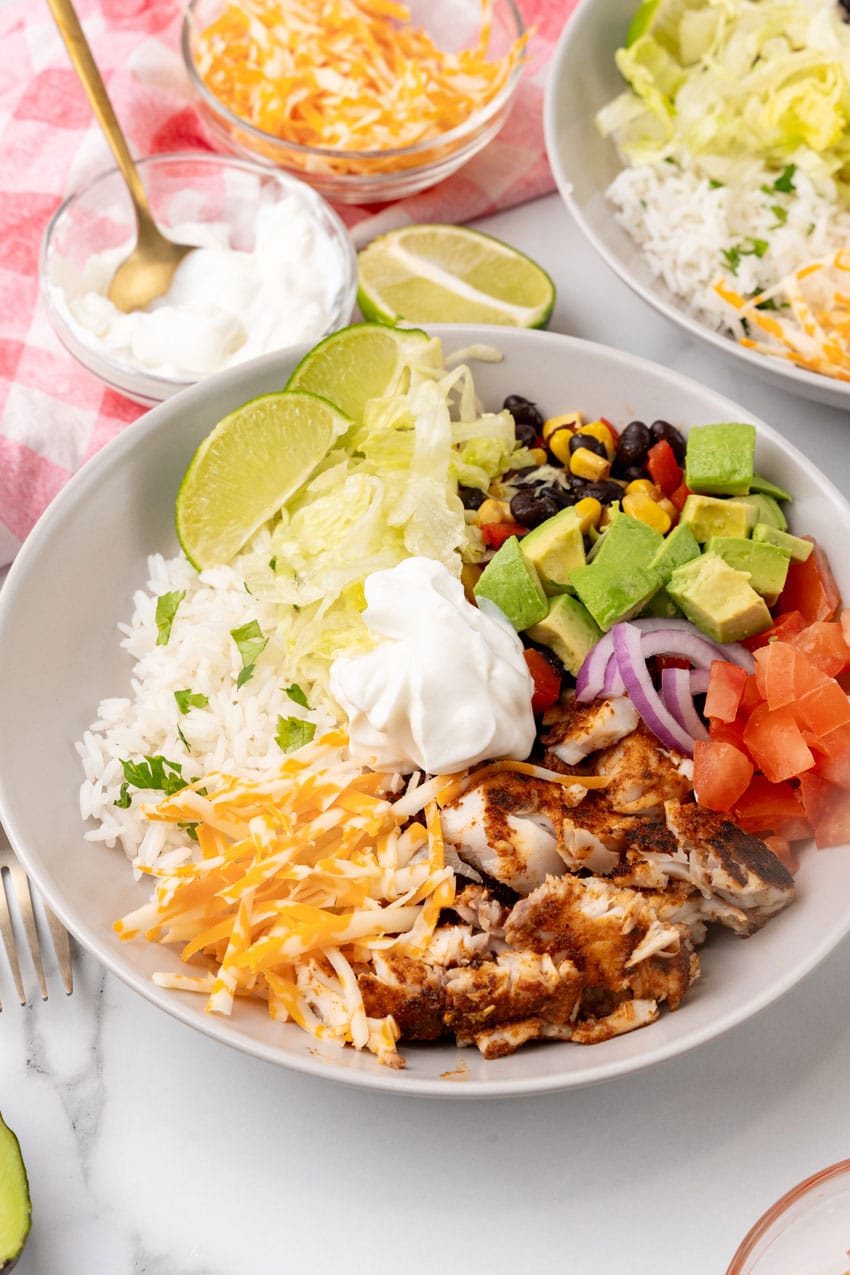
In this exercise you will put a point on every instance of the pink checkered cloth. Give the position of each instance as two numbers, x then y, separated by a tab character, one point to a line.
54	415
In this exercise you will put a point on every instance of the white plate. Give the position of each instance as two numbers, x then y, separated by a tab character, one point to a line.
73	582
583	78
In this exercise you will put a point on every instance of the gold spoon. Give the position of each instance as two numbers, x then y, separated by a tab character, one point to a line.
149	269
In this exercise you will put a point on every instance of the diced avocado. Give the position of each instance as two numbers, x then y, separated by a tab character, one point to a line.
662	605
768	488
718	599
765	509
554	548
677	547
766	564
15	1209
512	583
798	548
719	458
626	539
709	516
613	593
569	630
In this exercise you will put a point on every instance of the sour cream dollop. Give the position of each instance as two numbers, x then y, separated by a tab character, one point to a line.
446	684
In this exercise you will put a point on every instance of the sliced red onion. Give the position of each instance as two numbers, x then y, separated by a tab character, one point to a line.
679	637
590	682
700	678
678	695
614	684
639	687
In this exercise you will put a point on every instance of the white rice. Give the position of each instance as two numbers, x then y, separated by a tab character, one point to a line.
684	225
234	731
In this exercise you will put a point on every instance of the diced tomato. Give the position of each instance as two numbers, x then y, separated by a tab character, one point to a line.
680	495
726	686
834	763
822	710
844	620
785	675
810	588
671	661
495	534
783	627
776	808
774	742
828	809
546	678
752	696
825	645
664	469
728	732
721	773
784	851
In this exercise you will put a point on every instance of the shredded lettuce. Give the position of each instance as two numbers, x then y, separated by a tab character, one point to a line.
388	491
722	83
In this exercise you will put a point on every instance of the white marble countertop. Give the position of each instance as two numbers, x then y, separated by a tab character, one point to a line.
151	1149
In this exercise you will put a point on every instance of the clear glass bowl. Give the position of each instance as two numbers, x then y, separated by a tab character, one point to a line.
806	1232
362	176
182	188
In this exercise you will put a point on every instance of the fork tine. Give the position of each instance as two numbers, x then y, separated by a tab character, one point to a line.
62	948
9	941
21	883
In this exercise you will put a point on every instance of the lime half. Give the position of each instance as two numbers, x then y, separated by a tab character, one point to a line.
450	274
248	467
366	360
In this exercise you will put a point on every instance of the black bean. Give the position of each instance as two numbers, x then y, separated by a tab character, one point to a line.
525	433
664	430
562	496
633	472
530	508
632	445
604	491
524	412
471	497
592	444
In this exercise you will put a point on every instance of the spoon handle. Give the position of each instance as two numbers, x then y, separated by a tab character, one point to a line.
84	64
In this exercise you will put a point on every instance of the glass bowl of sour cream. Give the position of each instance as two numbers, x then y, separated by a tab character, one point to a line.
275	270
806	1232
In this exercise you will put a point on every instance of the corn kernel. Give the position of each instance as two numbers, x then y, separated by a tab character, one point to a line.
559	444
600	431
586	464
538	455
640	505
470	574
643	484
567	420
589	512
493	511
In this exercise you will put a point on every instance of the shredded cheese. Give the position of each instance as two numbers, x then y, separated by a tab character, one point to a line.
351	75
807	319
298	877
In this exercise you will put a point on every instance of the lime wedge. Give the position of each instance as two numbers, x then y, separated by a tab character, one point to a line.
364	361
662	20
450	274
247	468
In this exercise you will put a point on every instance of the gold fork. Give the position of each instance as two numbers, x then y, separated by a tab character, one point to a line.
16	897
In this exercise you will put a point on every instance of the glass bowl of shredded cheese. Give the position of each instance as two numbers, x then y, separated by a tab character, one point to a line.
366	101
807	1230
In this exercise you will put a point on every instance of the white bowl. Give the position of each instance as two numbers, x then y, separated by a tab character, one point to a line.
582	79
184	187
73	582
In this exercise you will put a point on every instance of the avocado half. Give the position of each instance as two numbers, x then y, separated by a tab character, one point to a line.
15	1209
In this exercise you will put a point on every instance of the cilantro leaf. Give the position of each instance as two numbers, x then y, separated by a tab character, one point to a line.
250	643
732	257
123	800
294	732
166	609
780	213
785	180
190	699
296	694
154	772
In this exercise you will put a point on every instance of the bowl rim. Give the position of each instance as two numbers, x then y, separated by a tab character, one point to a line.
116	372
772	1215
789	375
459	133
